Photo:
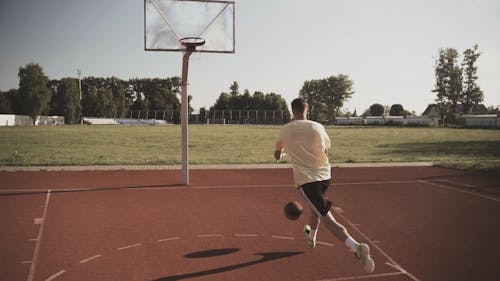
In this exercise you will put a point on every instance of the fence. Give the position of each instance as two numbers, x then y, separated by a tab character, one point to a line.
248	117
482	121
387	121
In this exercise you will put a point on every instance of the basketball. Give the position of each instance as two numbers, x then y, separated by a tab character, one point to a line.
293	210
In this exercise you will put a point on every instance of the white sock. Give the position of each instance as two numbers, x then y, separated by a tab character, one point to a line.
352	244
313	233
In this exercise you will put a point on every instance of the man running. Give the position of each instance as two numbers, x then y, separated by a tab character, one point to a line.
306	144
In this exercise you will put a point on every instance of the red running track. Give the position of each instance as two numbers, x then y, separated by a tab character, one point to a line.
422	223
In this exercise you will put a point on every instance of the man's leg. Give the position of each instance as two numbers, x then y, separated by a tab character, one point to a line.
311	229
361	251
336	228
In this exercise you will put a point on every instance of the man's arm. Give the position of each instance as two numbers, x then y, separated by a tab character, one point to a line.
278	148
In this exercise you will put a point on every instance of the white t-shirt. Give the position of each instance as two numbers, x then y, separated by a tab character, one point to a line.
305	143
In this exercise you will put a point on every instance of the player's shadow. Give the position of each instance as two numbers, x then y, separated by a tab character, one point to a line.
212	253
265	257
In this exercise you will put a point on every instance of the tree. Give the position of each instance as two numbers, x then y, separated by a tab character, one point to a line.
472	94
448	82
493	110
326	96
33	90
258	101
222	103
140	105
66	100
6	103
99	103
235	89
161	93
397	110
120	98
377	110
203	114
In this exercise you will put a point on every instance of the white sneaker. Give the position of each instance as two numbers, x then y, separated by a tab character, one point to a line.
310	242
363	256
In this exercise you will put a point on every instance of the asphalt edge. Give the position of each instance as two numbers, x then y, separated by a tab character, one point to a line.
203	166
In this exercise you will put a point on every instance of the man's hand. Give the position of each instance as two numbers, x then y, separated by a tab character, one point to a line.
277	155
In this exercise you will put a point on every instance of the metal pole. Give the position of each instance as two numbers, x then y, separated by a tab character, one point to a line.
184	115
80	89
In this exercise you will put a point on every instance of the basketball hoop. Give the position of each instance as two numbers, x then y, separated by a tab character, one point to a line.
192	42
189	26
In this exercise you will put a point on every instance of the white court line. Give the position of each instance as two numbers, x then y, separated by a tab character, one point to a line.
91	258
245	235
55	275
129	246
31	274
209	235
25	262
374	182
168	239
462	191
337	184
241	186
378	248
365	276
282	237
324	243
457	183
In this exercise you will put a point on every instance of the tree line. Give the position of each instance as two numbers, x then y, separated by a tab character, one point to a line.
235	101
92	96
456	92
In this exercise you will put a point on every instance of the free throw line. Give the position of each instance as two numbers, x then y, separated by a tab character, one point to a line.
31	274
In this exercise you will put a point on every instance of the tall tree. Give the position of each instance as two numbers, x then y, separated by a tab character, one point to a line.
448	87
120	98
33	90
327	96
66	100
472	94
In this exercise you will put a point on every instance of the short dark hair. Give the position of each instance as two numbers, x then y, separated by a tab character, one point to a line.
299	105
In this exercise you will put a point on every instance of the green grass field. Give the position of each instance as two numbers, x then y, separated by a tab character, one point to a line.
142	145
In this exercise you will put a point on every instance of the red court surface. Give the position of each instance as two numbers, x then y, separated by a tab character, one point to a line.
422	223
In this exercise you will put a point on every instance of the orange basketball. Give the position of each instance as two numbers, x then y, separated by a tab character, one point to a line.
293	210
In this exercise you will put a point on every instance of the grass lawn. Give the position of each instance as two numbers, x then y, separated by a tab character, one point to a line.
141	145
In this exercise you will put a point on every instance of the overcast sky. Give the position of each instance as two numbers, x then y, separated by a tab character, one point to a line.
387	47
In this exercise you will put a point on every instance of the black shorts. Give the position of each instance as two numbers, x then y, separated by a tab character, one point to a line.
314	193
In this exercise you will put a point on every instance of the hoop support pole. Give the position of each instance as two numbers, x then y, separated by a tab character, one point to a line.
185	116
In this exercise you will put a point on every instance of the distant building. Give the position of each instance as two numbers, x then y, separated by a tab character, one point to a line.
432	110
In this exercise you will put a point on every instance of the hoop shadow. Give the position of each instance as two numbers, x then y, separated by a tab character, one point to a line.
265	257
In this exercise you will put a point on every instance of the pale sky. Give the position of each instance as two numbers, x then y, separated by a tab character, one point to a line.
387	47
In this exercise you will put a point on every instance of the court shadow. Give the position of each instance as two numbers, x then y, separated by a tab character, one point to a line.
265	257
212	253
